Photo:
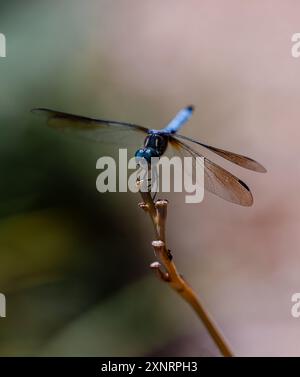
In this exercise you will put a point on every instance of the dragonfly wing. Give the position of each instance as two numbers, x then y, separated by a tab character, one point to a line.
94	129
216	179
245	162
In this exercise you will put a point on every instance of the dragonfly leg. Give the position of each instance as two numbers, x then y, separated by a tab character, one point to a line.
154	195
144	180
155	182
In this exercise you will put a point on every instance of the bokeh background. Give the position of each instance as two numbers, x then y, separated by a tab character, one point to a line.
74	264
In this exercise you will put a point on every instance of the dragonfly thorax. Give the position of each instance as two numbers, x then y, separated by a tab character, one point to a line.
155	145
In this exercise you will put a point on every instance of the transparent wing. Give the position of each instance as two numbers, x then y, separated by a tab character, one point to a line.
106	131
216	179
245	162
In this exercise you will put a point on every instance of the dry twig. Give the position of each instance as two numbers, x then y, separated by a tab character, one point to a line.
170	275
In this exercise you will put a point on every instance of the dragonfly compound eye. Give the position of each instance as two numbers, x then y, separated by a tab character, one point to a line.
146	153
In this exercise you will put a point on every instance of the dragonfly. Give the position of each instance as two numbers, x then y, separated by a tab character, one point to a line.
217	180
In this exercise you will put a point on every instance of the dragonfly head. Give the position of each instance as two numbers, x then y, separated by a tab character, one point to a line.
146	153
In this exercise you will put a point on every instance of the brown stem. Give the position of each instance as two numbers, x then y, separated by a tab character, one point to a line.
158	214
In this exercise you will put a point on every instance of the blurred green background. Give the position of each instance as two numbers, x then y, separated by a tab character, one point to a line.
73	262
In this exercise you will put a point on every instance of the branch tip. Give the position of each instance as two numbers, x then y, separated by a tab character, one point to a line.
161	202
157	244
156	266
143	206
161	209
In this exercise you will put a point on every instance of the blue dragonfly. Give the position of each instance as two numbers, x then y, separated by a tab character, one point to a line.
217	180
